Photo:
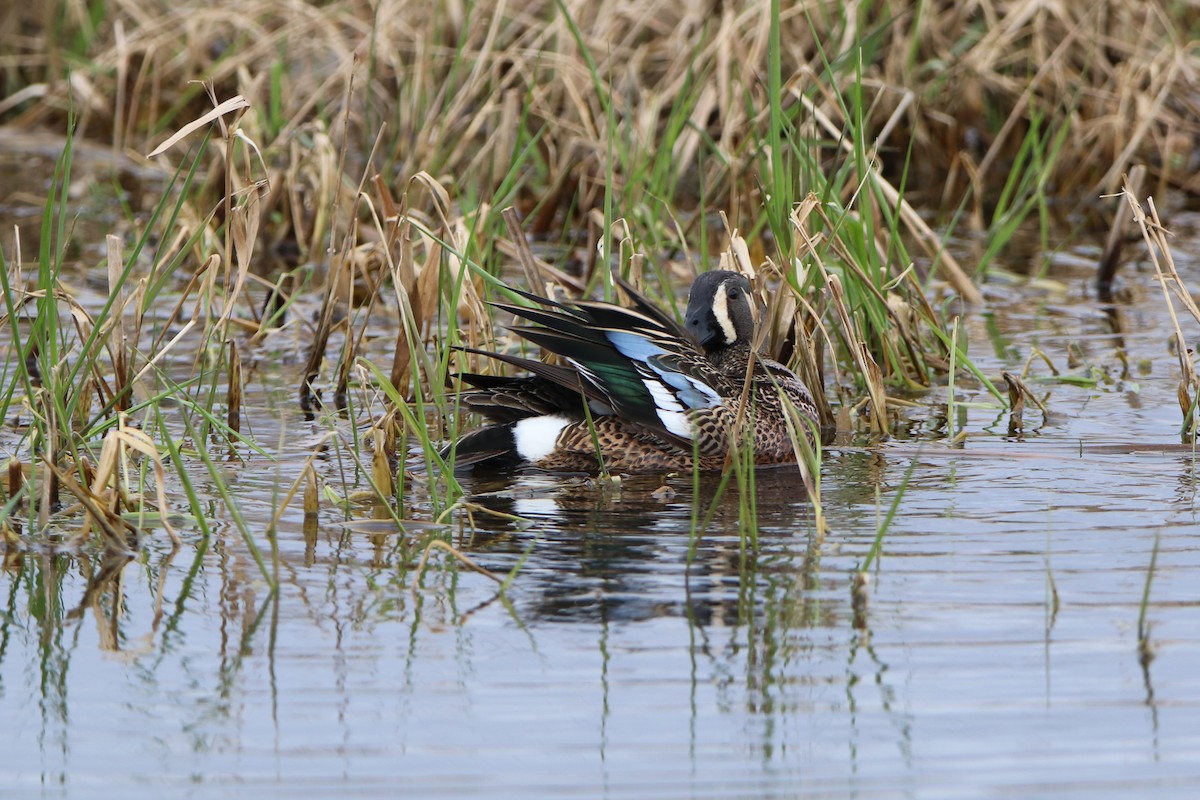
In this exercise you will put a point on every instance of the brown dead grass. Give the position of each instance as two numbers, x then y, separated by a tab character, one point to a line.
454	82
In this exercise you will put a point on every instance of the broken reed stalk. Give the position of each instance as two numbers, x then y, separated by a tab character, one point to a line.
233	397
1018	392
381	464
310	395
16	478
404	277
1111	259
1155	236
122	366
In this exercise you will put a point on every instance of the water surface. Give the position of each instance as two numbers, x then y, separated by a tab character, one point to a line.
997	653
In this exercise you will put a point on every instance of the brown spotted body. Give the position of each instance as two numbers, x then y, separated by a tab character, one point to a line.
645	393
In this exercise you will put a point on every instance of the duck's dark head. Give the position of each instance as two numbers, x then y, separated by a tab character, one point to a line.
720	310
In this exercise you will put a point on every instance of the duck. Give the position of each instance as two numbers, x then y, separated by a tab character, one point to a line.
633	390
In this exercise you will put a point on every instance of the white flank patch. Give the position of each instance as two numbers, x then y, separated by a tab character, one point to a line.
535	437
721	312
669	409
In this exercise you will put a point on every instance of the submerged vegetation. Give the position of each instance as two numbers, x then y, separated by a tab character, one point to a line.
405	163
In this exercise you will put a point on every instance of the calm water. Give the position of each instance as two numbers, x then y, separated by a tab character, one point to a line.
997	654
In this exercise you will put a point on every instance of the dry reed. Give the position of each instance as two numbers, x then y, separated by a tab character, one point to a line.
455	84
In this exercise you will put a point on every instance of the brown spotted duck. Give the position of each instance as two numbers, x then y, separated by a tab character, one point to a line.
635	391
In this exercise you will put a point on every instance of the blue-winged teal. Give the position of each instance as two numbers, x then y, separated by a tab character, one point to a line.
657	394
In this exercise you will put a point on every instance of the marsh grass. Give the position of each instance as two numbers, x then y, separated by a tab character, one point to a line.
396	158
611	96
94	390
